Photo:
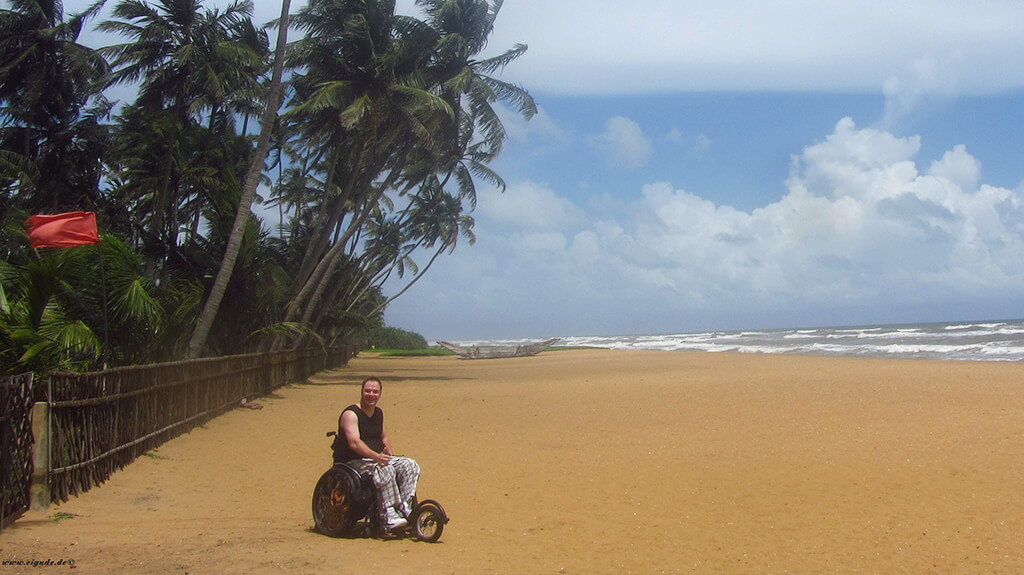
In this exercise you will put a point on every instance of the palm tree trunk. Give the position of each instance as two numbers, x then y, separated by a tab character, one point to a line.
333	220
252	179
308	297
385	303
314	299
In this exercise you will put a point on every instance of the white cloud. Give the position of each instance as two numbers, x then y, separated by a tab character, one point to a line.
623	144
527	206
927	81
908	49
860	163
743	45
959	167
858	221
859	228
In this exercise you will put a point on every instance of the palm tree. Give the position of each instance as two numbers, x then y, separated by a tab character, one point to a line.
46	82
359	87
388	246
437	219
36	331
52	309
361	104
458	143
185	60
476	135
213	301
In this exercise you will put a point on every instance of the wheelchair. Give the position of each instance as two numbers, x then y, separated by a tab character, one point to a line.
346	504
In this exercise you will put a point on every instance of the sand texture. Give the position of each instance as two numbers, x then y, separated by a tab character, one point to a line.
591	462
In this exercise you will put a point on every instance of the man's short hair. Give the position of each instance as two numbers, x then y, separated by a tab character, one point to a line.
369	379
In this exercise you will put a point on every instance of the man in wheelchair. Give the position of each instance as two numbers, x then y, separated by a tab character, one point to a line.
363	444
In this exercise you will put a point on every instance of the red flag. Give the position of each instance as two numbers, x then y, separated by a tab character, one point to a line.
63	230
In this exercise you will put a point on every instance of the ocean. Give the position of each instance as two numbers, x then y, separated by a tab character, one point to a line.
971	341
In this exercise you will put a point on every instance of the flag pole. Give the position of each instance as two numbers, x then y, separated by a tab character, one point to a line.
68	230
106	322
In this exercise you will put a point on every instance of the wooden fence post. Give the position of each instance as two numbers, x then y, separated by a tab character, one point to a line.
39	493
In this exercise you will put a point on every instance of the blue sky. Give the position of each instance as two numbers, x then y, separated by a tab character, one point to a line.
744	165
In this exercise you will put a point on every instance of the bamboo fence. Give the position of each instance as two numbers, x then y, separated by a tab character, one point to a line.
15	446
99	422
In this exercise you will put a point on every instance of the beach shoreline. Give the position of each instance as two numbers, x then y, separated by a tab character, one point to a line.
987	340
592	461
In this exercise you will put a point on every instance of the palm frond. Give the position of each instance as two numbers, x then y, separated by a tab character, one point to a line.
498	63
520	99
286	328
135	303
73	338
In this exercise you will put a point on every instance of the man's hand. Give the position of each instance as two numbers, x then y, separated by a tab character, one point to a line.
382	458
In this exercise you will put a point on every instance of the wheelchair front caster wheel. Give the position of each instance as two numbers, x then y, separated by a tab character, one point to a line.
428	523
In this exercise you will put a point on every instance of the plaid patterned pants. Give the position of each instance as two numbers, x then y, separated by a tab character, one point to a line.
396	481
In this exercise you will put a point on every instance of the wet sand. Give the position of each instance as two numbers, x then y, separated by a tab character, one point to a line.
591	462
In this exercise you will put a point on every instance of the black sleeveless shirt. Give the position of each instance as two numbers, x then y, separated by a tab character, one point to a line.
371	431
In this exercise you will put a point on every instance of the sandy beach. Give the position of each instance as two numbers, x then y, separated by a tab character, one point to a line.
591	462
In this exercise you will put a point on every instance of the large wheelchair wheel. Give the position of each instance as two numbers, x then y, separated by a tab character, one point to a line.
428	522
332	503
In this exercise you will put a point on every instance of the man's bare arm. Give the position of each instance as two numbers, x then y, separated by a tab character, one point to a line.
350	427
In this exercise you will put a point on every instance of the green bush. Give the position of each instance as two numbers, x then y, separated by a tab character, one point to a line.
394	338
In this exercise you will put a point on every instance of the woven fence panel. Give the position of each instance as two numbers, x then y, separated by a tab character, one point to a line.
100	422
16	442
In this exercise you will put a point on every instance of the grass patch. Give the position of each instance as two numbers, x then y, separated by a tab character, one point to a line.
429	352
62	515
440	351
153	455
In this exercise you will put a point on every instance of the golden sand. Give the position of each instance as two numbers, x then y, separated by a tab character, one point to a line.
591	462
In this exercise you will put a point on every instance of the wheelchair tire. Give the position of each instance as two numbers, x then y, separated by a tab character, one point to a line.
428	522
331	504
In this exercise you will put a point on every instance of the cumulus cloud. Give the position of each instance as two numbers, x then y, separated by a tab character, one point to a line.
623	144
859	227
856	162
858	221
959	167
528	206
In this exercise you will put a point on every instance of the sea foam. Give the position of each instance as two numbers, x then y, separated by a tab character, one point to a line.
971	341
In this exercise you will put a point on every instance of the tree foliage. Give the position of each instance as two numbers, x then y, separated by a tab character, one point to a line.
394	338
371	161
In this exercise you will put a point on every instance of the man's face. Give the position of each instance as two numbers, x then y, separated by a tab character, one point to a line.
371	393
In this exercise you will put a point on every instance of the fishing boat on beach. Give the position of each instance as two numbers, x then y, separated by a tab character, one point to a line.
497	351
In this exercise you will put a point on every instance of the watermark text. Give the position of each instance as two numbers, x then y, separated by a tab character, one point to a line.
38	562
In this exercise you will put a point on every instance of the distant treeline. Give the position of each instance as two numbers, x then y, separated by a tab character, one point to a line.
394	338
365	133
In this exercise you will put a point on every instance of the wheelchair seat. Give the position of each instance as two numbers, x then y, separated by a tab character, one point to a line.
363	478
